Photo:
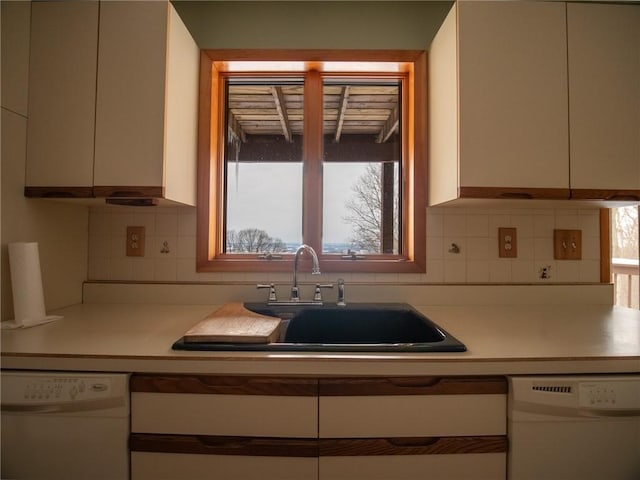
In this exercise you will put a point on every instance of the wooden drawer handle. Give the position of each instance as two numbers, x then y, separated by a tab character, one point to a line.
412	386
311	447
223	445
413	441
337	447
224	385
414	382
348	386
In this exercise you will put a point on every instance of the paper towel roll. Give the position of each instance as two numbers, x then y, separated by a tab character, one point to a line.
26	282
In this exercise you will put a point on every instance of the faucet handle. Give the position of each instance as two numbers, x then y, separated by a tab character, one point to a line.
295	294
317	296
272	291
340	302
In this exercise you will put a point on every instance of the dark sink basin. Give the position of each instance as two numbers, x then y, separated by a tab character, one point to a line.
371	327
364	325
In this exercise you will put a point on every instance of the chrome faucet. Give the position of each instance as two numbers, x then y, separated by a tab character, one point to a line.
315	269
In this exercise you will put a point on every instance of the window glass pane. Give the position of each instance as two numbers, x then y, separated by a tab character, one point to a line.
625	251
263	165
264	207
625	233
362	167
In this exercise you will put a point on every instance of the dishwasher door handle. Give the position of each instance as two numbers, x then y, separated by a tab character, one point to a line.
524	410
601	413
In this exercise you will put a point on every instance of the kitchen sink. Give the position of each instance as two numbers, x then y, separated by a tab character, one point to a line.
365	327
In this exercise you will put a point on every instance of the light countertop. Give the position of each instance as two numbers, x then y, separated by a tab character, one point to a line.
512	339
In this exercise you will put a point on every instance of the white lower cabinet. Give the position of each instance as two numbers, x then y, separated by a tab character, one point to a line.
236	427
413	428
223	427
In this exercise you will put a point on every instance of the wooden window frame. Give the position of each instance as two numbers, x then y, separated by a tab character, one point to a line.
210	228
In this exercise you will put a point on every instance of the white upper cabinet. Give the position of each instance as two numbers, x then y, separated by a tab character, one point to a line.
16	23
604	99
147	97
62	96
113	102
535	100
498	102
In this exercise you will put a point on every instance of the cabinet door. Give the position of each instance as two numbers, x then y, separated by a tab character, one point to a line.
513	127
172	466
604	98
413	428
62	95
223	427
181	136
130	109
412	407
472	466
16	23
221	405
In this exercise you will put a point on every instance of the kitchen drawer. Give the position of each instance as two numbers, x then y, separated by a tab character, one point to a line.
412	407
473	466
224	405
171	466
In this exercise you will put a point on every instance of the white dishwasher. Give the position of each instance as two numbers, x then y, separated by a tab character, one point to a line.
61	425
574	427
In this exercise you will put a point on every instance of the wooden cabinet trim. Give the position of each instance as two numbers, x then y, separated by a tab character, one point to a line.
311	448
125	191
333	447
58	192
224	385
509	193
294	386
604	194
412	386
223	445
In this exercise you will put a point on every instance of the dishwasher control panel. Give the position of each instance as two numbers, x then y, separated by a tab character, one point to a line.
573	396
41	389
614	394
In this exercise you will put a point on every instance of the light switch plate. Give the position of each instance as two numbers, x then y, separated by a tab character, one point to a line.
567	244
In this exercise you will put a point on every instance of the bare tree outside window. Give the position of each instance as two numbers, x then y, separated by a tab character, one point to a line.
625	252
253	240
365	210
625	233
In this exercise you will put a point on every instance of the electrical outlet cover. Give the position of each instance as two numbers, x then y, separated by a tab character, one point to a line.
507	242
135	242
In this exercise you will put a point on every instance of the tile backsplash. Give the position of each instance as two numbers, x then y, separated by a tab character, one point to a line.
171	239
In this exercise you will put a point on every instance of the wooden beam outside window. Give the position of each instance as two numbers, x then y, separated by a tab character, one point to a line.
342	110
281	108
389	127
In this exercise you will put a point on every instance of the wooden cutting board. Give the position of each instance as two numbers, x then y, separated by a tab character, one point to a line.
232	323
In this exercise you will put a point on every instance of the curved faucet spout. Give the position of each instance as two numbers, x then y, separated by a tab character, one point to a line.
315	268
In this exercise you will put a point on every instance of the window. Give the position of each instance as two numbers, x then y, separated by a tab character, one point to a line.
625	251
322	148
